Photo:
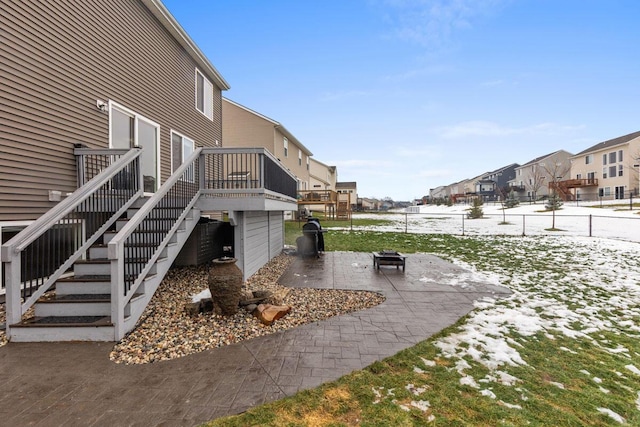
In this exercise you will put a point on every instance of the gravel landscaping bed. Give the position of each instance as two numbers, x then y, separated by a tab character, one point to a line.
166	331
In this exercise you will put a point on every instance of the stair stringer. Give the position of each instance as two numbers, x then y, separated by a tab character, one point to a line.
137	304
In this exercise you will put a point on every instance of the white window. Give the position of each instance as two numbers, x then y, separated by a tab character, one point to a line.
588	159
579	176
620	155
299	157
204	95
612	171
620	170
181	148
128	129
612	157
307	162
285	143
604	172
604	160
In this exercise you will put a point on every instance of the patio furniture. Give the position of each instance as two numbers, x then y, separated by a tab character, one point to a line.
389	258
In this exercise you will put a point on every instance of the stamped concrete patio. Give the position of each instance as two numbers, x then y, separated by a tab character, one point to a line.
76	383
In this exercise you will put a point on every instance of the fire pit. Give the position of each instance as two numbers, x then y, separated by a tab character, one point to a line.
388	257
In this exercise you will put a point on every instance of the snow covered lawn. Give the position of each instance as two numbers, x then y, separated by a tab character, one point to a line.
563	349
616	222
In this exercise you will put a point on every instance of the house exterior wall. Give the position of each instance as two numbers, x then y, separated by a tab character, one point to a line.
350	188
321	176
56	60
527	175
242	127
258	237
291	160
623	158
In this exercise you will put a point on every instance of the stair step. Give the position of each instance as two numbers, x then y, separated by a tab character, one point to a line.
73	305
67	328
167	222
90	284
145	237
66	321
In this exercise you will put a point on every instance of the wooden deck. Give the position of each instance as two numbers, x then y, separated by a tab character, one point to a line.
335	205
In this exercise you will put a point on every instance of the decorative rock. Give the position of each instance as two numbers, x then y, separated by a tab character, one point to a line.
279	296
251	308
262	294
225	284
267	314
257	297
206	305
192	308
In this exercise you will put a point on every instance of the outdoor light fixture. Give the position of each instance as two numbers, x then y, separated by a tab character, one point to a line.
101	105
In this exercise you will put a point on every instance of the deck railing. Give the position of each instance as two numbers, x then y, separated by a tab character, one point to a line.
321	196
45	250
147	233
245	172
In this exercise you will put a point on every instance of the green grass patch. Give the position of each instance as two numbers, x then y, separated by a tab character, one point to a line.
573	369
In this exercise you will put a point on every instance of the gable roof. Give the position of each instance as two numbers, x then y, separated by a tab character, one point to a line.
611	143
537	159
346	184
276	125
175	29
502	169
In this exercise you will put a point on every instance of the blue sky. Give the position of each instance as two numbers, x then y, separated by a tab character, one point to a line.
406	95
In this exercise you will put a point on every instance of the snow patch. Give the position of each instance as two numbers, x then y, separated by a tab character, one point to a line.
633	369
200	296
612	414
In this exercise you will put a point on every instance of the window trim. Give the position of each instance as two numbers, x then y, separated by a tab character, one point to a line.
285	144
137	118
207	95
183	138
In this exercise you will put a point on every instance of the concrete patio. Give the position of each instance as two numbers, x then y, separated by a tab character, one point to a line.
76	383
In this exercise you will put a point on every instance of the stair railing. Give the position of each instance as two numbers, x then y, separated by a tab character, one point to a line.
46	249
138	245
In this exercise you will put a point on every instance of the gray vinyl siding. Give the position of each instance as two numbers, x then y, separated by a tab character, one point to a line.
56	59
256	230
276	233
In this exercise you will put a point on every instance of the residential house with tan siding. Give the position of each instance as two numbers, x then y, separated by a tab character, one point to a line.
322	176
532	179
243	127
607	170
110	120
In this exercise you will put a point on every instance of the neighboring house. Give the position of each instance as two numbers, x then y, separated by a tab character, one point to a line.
532	179
438	193
607	170
347	195
111	117
243	127
455	191
322	195
369	204
500	178
321	176
469	187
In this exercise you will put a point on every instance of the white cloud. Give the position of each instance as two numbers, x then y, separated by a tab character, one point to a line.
429	152
486	128
431	22
362	163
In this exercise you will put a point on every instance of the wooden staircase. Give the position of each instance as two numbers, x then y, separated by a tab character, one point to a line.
80	307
